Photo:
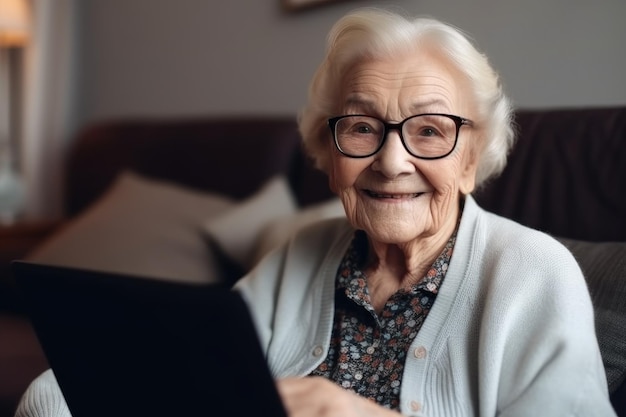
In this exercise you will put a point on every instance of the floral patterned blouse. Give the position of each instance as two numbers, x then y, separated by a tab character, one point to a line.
368	350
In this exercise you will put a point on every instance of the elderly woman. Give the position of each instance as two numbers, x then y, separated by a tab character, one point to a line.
419	303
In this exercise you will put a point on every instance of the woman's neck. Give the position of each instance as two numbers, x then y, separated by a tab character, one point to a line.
390	267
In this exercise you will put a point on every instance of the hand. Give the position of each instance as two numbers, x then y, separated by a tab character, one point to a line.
319	397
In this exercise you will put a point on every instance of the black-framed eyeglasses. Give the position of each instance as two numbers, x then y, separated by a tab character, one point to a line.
425	136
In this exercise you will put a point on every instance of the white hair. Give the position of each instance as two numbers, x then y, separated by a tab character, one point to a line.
379	34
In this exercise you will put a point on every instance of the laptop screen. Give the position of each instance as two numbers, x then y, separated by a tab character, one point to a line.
122	345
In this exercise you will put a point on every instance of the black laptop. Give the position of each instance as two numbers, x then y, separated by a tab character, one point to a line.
128	346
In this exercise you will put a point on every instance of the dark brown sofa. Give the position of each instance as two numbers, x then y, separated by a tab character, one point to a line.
566	176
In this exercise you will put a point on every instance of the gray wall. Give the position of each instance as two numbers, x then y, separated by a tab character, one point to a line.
213	57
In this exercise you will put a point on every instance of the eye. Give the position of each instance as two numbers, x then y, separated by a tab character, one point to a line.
362	128
424	132
429	131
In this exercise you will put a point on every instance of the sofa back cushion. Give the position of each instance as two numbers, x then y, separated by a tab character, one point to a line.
566	175
232	157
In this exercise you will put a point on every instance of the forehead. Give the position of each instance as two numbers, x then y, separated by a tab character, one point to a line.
418	81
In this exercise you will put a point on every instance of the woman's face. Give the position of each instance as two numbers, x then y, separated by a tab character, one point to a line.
395	197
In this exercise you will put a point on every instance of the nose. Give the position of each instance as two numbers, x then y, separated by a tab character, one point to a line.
393	160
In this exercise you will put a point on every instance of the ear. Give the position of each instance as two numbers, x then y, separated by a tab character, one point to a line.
331	175
467	180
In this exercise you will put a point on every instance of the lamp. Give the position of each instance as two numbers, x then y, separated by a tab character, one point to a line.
14	23
14	33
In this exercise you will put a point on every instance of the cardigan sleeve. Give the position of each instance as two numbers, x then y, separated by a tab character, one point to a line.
550	359
43	398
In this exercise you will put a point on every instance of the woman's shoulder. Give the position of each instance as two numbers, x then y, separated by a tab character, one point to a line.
298	258
503	235
516	261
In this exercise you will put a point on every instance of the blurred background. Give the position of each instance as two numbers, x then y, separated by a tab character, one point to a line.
81	61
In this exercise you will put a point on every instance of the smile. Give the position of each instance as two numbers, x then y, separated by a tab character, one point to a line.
393	196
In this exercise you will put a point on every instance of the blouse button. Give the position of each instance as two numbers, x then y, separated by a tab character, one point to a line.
416	406
317	351
370	350
420	352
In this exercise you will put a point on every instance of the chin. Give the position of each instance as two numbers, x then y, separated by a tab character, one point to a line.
394	233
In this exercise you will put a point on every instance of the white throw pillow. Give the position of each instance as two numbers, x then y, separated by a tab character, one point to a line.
141	227
237	231
277	232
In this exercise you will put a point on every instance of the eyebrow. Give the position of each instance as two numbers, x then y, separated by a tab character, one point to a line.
432	106
360	103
